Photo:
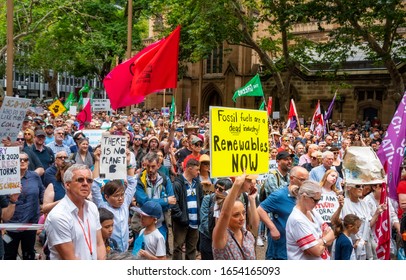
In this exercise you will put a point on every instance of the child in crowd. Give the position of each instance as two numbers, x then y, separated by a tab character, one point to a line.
150	244
343	248
107	223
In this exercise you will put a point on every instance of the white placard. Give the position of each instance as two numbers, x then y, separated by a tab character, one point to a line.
12	115
165	111
113	161
275	115
94	136
9	170
73	110
101	105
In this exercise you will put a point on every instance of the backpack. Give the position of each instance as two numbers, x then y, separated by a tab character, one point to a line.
262	191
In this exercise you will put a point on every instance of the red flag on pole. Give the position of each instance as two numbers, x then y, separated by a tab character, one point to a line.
153	69
85	115
269	107
382	228
317	124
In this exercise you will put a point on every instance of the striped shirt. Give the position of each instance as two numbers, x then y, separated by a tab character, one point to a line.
191	198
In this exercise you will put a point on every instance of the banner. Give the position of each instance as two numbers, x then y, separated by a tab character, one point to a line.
252	88
239	141
57	108
9	170
113	160
393	145
12	115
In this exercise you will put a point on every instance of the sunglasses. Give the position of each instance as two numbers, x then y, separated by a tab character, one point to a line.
313	158
220	189
205	163
23	159
62	157
81	180
27	133
20	139
137	139
359	186
198	144
314	200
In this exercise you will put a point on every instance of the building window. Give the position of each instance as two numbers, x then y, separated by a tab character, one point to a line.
214	63
369	94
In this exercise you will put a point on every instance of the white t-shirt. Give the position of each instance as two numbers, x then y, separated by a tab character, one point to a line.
327	205
154	243
302	234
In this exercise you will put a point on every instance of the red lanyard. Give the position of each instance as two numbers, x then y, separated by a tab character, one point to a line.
88	241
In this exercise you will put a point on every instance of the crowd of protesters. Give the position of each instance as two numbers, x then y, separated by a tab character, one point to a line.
169	188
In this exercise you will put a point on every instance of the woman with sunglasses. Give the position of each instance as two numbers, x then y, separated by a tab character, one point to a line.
27	210
354	204
29	137
307	235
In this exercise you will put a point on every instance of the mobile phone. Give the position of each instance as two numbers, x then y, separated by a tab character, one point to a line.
7	238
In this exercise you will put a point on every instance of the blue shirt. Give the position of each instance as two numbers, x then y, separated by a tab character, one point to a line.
27	207
49	175
317	173
279	204
58	148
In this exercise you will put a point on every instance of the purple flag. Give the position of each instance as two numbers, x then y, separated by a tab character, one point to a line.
391	151
188	110
329	111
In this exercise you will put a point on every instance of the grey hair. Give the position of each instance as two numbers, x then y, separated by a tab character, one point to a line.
310	188
327	153
296	169
150	157
67	177
59	129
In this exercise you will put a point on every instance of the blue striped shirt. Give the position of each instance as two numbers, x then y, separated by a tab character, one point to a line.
191	198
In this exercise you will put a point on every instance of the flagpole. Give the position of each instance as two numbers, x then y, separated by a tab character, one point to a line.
164	98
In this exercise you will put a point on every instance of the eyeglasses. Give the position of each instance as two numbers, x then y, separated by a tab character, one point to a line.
336	153
20	139
198	144
27	133
118	195
24	159
137	139
205	163
359	186
219	188
313	158
285	140
62	157
81	180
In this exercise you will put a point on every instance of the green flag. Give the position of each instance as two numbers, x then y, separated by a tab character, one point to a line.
84	89
172	109
80	101
252	88
262	107
69	101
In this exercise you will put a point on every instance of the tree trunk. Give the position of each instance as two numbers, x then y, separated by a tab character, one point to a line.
52	81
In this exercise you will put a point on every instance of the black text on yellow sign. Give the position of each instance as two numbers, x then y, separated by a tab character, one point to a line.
239	141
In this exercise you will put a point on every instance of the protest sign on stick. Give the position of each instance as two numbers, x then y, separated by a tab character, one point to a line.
113	160
12	115
9	170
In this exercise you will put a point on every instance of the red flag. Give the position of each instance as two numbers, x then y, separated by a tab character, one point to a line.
382	228
292	116
317	124
269	107
153	69
85	115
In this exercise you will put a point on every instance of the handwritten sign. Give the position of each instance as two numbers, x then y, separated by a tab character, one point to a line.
73	110
101	105
12	115
239	141
113	160
9	170
94	136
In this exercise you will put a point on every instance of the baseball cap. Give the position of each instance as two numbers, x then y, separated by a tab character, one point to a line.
283	155
49	125
195	139
150	209
40	133
27	119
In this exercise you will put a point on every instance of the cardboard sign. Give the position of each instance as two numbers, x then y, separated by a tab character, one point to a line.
12	115
239	141
57	108
101	105
165	111
113	160
9	170
73	110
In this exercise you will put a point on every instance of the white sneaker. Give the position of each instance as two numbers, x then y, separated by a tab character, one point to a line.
260	243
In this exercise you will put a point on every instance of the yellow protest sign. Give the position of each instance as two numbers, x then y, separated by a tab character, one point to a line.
238	141
57	108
